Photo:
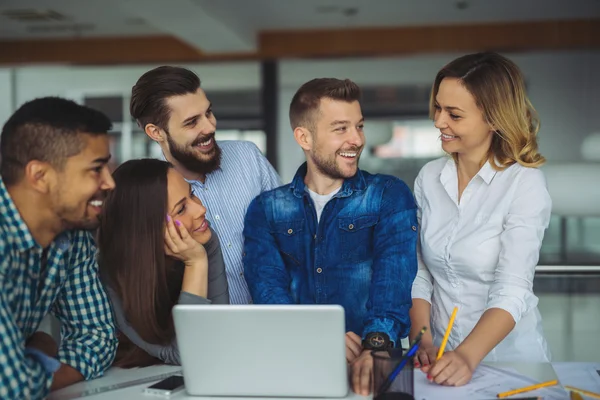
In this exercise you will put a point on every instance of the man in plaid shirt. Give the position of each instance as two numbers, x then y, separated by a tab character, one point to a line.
54	176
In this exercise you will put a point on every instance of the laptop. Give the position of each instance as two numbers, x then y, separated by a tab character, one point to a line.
262	350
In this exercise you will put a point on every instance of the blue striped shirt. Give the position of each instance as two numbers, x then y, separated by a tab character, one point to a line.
68	287
227	192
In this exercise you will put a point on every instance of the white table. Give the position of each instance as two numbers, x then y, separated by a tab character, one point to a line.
538	371
117	375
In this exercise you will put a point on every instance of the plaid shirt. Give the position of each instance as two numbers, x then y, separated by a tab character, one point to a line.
68	286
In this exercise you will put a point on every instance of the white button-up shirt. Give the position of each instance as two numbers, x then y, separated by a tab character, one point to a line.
481	252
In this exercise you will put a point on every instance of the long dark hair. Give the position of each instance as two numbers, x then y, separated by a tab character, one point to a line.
132	259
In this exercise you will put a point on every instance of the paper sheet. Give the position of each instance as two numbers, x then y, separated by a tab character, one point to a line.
584	376
485	384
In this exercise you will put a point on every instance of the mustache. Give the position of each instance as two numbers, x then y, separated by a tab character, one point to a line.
100	195
352	149
203	138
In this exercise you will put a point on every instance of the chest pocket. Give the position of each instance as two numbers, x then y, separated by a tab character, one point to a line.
289	236
356	237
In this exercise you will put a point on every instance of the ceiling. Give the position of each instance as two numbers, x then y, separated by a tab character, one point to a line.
233	25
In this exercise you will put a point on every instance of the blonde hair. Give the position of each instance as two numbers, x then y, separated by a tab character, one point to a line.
498	87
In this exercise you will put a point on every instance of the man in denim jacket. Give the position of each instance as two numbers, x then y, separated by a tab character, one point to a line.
336	234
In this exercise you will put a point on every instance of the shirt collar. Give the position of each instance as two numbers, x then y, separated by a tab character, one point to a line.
20	234
449	172
350	185
487	172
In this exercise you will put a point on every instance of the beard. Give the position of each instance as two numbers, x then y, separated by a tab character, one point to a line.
72	217
90	224
329	167
191	160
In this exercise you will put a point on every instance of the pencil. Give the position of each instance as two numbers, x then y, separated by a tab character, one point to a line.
585	392
447	334
528	388
575	396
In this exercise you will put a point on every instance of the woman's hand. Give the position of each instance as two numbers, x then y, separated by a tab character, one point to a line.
180	245
452	369
425	356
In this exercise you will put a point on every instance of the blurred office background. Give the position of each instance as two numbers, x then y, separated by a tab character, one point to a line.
252	55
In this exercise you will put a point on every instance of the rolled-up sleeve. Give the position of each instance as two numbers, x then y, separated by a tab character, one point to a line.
521	240
423	285
88	340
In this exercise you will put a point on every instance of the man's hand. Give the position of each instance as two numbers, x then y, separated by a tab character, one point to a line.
43	342
353	347
362	373
65	376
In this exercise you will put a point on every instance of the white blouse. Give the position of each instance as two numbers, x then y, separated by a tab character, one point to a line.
481	253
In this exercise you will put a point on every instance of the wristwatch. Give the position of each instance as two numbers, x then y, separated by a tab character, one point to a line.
377	341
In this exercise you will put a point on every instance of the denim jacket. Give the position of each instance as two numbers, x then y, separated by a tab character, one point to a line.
360	255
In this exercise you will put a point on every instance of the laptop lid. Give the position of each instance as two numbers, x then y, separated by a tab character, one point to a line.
262	350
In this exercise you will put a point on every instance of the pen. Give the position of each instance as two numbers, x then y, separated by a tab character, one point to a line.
528	388
447	334
584	392
409	354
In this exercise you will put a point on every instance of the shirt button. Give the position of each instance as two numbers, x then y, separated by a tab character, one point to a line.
315	237
205	189
351	226
290	231
241	274
228	244
217	217
414	228
319	270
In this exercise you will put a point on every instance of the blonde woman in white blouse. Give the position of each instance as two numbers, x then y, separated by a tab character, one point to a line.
483	212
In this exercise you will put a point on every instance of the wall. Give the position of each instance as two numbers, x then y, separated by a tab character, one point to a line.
6	94
32	82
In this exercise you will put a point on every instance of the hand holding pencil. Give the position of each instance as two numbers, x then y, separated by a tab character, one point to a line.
451	368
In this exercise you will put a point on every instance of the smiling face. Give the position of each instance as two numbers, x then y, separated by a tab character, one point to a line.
338	139
82	184
463	128
186	208
191	132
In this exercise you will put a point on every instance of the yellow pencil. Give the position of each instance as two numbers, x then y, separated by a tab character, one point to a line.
575	396
447	334
585	392
528	388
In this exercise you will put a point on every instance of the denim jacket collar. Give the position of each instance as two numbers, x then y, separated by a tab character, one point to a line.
350	185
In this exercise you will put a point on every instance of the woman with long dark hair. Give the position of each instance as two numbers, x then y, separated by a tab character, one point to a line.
156	249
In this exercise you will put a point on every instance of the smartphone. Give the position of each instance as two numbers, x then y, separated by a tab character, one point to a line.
166	387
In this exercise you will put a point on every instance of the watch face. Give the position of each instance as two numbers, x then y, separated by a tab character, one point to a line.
377	341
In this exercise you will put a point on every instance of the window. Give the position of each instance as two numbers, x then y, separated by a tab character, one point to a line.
411	139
